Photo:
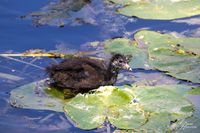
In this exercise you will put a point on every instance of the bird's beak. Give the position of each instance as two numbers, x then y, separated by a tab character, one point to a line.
127	67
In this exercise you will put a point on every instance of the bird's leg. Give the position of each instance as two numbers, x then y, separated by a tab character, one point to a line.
68	93
130	85
91	91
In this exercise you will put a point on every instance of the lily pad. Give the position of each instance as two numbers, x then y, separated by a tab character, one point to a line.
37	96
178	56
158	9
158	123
162	99
10	76
146	108
90	111
87	111
194	91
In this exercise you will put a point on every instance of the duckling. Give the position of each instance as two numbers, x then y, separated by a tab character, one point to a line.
82	74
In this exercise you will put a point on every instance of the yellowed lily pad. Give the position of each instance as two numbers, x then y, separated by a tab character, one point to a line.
138	108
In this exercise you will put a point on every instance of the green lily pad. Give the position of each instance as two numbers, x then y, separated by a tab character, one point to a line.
158	123
138	108
178	56
146	108
37	96
91	110
180	89
158	9
159	99
86	110
194	91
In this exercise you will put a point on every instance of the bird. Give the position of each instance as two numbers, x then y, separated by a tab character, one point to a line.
83	74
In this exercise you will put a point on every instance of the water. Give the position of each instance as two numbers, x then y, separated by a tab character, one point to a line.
19	35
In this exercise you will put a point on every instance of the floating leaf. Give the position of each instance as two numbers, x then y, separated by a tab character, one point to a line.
138	108
190	125
159	99
107	102
86	111
37	96
179	57
158	9
194	91
10	76
158	123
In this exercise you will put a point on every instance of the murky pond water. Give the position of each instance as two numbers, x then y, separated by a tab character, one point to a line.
96	21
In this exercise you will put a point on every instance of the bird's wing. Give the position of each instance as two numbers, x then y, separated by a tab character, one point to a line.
87	77
68	65
90	77
97	64
77	64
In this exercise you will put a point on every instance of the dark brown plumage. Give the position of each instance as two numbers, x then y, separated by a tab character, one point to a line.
82	74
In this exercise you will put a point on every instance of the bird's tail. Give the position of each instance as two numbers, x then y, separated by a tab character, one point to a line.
50	69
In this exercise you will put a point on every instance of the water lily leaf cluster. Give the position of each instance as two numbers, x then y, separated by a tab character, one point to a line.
158	9
139	108
177	56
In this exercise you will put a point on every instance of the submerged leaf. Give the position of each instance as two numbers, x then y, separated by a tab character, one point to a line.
10	76
55	13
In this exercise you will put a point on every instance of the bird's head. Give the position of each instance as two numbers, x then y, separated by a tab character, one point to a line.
120	61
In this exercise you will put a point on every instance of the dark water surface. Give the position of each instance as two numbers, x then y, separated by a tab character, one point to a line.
19	35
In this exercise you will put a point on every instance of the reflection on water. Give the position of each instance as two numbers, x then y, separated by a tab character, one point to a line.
56	12
74	13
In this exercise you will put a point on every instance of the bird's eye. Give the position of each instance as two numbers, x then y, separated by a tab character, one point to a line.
120	61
